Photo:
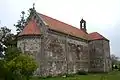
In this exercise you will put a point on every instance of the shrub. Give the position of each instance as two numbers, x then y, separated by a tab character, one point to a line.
119	68
82	72
16	65
22	66
11	53
70	75
116	67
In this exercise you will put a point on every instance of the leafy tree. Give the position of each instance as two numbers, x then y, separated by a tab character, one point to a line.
22	66
23	19
6	31
3	34
11	53
21	23
16	65
7	38
3	70
115	62
114	59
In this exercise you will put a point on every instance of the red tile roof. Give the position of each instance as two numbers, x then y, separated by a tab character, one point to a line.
31	29
96	36
63	27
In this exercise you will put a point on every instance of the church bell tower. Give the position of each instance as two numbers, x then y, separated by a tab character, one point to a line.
83	25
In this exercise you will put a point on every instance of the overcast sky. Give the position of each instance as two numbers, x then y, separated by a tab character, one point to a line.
102	16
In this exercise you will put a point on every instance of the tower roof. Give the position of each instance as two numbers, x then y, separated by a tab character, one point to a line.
31	29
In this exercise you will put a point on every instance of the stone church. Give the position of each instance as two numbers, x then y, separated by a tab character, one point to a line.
60	48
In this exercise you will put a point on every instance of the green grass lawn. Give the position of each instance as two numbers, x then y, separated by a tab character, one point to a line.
110	76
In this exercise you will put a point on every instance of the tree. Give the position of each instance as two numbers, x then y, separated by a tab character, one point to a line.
6	37
22	66
16	65
3	33
114	59
11	53
115	62
6	31
21	23
2	69
23	20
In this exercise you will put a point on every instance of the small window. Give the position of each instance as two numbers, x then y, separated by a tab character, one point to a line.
82	25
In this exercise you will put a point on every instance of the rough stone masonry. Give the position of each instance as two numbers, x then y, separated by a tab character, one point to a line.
60	48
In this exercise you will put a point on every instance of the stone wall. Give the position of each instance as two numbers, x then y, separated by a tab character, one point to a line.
78	55
96	56
99	56
64	54
106	46
57	53
31	45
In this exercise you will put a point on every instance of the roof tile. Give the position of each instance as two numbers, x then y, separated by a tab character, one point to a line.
96	36
31	29
63	27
